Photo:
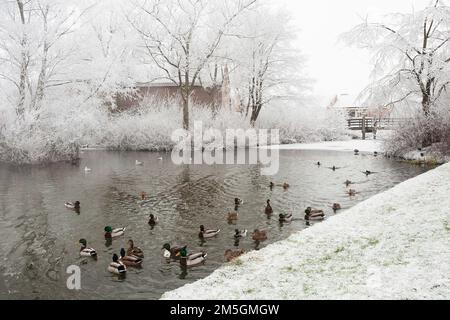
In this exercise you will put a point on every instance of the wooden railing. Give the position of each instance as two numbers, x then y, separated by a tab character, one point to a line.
381	124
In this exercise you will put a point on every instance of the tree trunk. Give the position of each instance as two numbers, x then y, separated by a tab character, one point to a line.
23	64
185	112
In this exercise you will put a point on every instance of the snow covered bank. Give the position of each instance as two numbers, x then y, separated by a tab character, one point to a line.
391	246
349	145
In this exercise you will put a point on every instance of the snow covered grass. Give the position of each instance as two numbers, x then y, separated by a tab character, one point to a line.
391	246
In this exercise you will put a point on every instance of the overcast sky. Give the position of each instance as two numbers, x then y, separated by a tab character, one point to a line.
338	69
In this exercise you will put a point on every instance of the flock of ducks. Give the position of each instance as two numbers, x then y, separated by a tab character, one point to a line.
133	256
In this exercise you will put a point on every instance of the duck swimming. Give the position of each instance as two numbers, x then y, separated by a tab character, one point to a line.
192	259
351	192
139	163
286	186
116	266
368	173
86	169
268	209
240	233
348	182
318	164
271	185
259	235
134	251
153	221
171	252
113	233
313	214
143	195
232	216
356	152
285	217
75	205
85	251
130	261
203	234
336	207
233	254
238	201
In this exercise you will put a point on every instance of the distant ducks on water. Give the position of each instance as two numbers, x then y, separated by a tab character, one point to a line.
351	192
116	266
233	254
160	158
232	216
85	251
268	209
113	233
336	207
318	164
334	168
347	183
375	154
285	217
204	234
259	235
86	169
139	163
152	220
368	173
238	202
313	214
240	233
285	185
72	205
130	261
143	195
356	152
271	185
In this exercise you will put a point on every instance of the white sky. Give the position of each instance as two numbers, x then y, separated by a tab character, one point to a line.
335	68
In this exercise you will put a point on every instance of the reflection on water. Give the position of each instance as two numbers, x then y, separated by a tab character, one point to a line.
40	236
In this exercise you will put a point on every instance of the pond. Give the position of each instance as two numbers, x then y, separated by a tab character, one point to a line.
40	236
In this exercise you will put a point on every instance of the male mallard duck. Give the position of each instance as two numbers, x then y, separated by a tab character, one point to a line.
240	233
153	221
238	201
233	254
336	206
351	192
313	214
232	216
285	217
368	173
113	233
271	185
139	163
86	169
208	233
171	252
72	205
286	186
268	209
192	259
130	261
116	266
134	251
85	251
259	235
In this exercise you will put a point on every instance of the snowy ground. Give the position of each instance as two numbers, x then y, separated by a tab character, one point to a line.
394	245
368	145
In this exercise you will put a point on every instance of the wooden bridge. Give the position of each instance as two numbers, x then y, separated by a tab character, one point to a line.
369	123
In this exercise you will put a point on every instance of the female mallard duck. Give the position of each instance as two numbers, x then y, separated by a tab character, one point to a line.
336	207
313	214
232	216
116	266
130	261
207	233
72	205
233	254
286	186
134	251
171	252
153	220
113	233
85	251
143	195
238	201
259	235
351	192
240	233
192	259
268	209
285	217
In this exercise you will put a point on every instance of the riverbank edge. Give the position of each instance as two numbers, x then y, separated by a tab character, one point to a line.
391	246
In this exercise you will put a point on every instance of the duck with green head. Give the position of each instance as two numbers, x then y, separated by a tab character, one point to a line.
113	233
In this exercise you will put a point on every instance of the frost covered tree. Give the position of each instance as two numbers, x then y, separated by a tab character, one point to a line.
181	37
411	54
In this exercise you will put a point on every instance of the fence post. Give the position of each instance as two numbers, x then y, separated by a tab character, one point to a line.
363	128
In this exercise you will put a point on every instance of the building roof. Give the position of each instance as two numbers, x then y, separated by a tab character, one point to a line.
343	100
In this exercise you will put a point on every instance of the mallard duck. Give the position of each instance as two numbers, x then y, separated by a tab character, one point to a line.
130	261
171	252
240	233
318	164
238	201
134	251
313	213
268	209
368	173
285	217
316	217
160	158
334	168
192	259
375	153
348	182
72	205
114	233
232	216
116	266
85	251
356	151
271	185
207	233
86	169
153	220
233	254
286	186
259	235
143	195
336	206
351	192
139	163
